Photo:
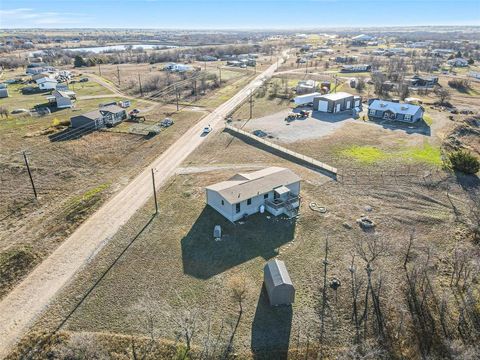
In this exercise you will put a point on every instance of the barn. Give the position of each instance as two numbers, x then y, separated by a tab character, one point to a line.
278	284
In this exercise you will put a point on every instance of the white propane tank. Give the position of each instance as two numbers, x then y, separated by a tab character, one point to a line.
262	209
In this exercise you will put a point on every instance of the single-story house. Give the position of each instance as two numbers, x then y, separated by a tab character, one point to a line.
40	75
388	110
356	68
173	67
47	83
336	102
346	59
305	87
274	189
423	81
278	284
109	115
62	99
458	62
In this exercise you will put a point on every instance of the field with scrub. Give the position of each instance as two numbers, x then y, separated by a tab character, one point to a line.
174	274
73	172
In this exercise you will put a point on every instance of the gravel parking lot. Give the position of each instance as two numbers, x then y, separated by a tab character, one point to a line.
315	126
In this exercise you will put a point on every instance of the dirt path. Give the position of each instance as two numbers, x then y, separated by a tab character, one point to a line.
20	308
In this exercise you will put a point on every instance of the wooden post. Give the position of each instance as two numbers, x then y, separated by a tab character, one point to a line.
30	175
154	192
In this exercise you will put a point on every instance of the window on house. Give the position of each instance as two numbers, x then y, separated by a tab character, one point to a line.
372	112
249	202
223	202
408	117
237	208
265	196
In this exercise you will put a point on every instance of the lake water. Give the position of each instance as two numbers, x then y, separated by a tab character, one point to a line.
100	49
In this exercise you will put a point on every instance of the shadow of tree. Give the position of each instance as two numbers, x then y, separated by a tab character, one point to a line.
203	257
271	329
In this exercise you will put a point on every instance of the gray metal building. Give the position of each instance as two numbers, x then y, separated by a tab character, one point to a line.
336	102
278	284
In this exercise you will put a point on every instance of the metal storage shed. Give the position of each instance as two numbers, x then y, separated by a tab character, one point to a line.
278	284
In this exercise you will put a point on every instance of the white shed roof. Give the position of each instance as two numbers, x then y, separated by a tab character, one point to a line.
337	96
278	273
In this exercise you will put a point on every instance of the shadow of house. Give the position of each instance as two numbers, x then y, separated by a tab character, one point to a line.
70	134
203	257
271	329
420	127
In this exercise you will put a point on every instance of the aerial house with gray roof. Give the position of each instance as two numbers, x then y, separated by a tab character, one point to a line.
278	284
108	116
388	110
273	189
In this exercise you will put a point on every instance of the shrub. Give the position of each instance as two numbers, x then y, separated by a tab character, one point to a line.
464	161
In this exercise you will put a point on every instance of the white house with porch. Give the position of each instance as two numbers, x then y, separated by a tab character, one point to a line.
274	189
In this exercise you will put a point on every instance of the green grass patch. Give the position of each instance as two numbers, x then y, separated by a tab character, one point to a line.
369	155
426	154
80	206
428	119
365	154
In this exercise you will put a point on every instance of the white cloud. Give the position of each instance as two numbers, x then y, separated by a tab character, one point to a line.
22	17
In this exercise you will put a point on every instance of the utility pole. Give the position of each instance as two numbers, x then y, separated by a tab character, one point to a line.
118	75
195	88
30	175
99	70
220	75
251	103
205	65
154	192
306	66
140	85
336	84
176	96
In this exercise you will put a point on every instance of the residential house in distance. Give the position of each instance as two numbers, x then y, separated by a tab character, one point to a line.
305	87
109	115
336	102
356	68
173	67
361	39
274	189
423	81
458	62
62	99
388	110
278	284
346	59
47	83
3	91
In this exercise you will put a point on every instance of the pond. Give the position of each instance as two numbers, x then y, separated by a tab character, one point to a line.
100	49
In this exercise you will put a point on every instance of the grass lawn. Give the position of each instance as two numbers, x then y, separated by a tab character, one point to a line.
369	155
175	264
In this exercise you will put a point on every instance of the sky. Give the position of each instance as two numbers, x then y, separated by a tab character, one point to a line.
235	14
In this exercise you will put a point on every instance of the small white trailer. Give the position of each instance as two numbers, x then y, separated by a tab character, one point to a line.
305	99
